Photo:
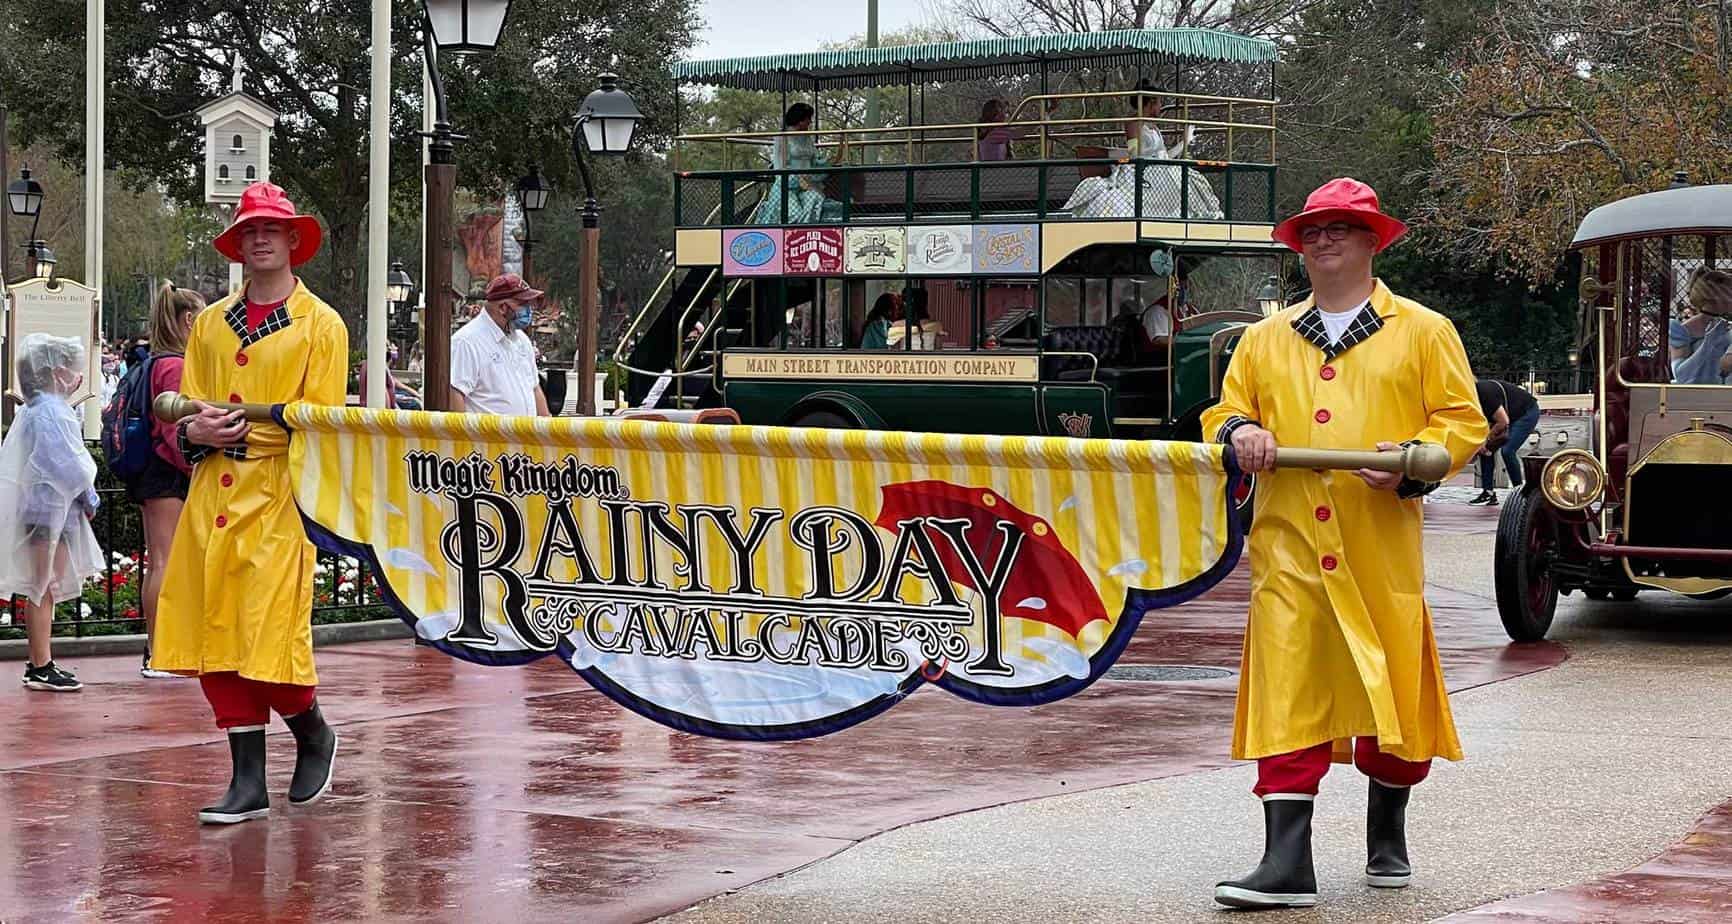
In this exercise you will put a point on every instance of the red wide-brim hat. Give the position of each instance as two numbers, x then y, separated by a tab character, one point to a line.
1347	199
267	202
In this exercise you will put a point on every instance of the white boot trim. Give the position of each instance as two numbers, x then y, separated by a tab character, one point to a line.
243	729
1289	797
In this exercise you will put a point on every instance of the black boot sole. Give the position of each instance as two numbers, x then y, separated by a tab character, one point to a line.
330	774
213	817
1239	897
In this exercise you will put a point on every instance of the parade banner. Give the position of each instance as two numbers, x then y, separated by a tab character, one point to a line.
760	582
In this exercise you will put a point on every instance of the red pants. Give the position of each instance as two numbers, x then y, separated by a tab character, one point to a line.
239	702
1300	771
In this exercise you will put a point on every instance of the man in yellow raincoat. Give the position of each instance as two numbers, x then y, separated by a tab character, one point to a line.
1339	644
237	598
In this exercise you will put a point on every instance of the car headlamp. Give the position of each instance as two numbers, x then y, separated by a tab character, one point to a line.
1572	480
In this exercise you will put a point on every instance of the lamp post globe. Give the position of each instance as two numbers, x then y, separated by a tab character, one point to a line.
24	195
466	27
1269	298
45	260
609	118
533	190
398	284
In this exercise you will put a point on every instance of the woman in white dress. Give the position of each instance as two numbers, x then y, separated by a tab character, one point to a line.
1114	195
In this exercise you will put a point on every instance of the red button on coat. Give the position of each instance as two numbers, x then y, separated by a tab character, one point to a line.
222	521
1322	416
1327	372
240	359
1329	563
1322	512
235	398
228	480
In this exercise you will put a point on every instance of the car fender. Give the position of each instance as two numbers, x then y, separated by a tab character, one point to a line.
839	402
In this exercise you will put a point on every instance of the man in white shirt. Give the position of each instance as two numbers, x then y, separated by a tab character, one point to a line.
492	360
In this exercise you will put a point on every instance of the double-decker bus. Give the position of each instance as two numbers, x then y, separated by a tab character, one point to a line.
1077	261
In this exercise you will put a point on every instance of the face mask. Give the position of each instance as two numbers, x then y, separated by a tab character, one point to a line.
524	317
65	385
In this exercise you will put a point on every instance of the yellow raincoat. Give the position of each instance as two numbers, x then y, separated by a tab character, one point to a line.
238	593
1340	642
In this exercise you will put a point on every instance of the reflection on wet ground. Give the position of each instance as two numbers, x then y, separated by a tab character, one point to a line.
521	794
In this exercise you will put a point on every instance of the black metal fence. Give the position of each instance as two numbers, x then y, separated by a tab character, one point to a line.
344	589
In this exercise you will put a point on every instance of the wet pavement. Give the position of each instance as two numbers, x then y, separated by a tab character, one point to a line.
1573	776
520	794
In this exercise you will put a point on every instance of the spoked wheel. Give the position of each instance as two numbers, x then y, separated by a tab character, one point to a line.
1527	593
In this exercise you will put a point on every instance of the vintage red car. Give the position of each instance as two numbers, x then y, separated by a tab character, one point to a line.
1648	507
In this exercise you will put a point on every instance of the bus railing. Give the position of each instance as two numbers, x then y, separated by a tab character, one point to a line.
999	190
1226	128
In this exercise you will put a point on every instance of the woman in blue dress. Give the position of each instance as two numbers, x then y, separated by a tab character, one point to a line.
803	193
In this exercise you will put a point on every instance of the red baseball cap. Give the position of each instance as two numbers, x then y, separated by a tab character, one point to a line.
511	285
1343	197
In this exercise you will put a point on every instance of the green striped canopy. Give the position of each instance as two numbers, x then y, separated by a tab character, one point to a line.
938	61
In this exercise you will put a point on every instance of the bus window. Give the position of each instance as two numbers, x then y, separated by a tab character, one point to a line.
1224	283
1063	302
1010	314
836	313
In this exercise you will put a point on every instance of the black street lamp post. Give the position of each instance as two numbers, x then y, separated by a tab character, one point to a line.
399	289
605	125
532	194
24	200
459	27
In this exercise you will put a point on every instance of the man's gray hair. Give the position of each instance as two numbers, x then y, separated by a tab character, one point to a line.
40	354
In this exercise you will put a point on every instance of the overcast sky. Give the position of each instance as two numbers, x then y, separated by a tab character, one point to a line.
744	28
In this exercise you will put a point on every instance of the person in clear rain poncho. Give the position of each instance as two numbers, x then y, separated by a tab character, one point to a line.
47	497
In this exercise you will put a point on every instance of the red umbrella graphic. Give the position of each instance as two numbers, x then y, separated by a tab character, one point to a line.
1046	584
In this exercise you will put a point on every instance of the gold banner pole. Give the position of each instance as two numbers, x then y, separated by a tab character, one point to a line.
171	406
1421	461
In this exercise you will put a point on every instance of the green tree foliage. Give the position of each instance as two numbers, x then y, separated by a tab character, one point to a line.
1356	79
1562	106
309	60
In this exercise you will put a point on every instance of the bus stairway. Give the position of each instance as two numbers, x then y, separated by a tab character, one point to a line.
654	350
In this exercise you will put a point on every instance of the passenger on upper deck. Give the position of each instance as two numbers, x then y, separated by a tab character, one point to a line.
1115	194
1710	364
804	194
995	141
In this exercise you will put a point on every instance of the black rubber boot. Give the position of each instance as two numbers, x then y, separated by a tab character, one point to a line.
1386	866
1285	877
315	755
246	798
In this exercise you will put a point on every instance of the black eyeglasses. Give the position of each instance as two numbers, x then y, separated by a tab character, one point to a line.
1337	231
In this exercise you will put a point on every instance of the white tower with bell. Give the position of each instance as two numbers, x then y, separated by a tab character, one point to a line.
237	149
